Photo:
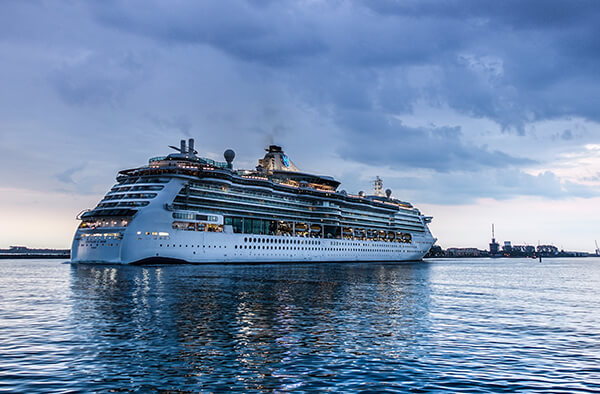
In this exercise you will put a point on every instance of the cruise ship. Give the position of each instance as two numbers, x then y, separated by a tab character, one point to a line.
183	208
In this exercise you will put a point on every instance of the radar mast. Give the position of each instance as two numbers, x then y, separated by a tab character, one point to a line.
378	187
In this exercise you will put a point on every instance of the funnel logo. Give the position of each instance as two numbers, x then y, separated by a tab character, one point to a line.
285	160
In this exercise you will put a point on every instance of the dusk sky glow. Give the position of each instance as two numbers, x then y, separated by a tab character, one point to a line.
477	112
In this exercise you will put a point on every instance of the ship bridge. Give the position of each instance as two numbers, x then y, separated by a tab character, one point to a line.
280	168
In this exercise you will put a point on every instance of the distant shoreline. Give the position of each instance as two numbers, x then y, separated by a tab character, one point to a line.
6	256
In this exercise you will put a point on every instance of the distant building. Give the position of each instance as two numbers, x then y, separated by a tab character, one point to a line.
435	251
494	246
510	250
465	252
525	250
547	250
16	251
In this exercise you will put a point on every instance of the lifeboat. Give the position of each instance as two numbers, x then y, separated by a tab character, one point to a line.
285	226
391	235
347	233
359	233
371	234
315	228
407	238
301	227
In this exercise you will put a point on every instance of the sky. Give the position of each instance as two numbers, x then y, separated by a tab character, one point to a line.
477	112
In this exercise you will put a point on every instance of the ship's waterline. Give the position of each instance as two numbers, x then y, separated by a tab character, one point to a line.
184	208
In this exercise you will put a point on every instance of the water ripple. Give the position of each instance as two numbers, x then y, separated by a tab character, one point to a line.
443	325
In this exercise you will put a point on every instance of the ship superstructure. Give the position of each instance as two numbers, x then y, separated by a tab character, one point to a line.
185	208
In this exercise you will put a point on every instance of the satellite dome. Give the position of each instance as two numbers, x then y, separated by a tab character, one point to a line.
388	193
229	156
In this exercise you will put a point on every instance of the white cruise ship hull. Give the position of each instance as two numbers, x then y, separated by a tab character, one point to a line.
193	247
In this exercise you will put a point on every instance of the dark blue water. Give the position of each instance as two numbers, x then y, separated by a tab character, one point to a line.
462	325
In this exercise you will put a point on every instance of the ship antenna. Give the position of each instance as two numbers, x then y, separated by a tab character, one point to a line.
378	187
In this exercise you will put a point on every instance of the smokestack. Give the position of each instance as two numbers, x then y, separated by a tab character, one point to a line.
182	145
191	146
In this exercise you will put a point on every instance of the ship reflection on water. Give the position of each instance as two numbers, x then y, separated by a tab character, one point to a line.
274	327
468	325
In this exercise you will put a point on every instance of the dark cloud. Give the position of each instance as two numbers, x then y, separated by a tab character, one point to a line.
329	78
524	60
466	187
250	33
514	13
98	78
377	140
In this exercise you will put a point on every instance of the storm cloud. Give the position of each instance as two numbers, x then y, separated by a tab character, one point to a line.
339	83
509	61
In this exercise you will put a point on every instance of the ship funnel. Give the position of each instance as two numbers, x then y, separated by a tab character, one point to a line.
191	150
182	147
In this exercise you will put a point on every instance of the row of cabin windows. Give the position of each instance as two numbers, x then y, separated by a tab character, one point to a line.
133	179
221	203
258	193
269	247
193	246
190	226
135	188
194	216
311	230
128	196
283	241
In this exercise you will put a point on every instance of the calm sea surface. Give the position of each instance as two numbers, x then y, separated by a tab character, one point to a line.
463	325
